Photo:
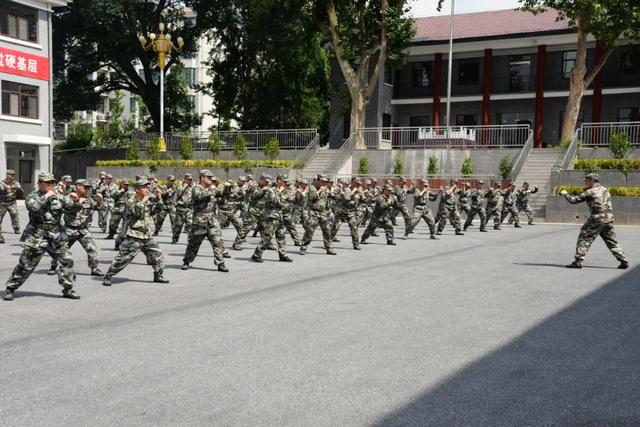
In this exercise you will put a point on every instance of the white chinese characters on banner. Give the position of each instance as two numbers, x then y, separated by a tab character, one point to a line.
23	64
10	61
32	66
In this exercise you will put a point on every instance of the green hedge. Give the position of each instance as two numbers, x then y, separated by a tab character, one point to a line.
212	164
574	190
597	164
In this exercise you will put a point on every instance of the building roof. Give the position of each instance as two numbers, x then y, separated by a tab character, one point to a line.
491	24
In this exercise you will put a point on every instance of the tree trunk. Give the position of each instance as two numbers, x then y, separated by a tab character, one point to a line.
358	106
576	87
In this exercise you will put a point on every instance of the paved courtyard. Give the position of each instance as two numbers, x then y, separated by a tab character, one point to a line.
481	329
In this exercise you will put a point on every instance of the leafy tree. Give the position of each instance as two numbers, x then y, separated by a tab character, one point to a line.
432	168
271	149
94	36
619	145
153	149
363	35
213	144
363	167
607	21
240	148
398	167
133	150
186	147
267	64
467	167
79	135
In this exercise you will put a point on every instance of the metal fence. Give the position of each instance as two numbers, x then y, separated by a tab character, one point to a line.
442	137
288	139
595	134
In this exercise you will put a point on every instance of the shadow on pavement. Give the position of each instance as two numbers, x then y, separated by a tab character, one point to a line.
578	367
541	264
27	294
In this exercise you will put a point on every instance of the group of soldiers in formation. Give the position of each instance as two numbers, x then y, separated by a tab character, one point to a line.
60	214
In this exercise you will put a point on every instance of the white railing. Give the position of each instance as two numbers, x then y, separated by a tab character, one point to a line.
341	156
571	152
453	137
305	156
522	157
596	134
288	139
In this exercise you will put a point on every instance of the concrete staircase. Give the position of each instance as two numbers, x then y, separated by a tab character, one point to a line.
319	163
537	172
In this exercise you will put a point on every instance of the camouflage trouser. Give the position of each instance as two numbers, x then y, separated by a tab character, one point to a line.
162	214
472	214
404	210
117	216
524	207
89	245
290	226
197	235
296	215
454	219
351	218
230	217
12	208
314	219
252	218
364	215
103	217
130	247
588	233
423	212
182	219
30	258
510	210
493	211
271	227
384	222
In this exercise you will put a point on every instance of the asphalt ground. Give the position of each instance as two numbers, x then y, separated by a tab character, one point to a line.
481	329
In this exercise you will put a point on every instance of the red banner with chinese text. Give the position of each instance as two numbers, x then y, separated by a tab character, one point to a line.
24	64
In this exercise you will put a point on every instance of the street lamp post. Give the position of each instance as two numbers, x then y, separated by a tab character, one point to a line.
449	71
162	45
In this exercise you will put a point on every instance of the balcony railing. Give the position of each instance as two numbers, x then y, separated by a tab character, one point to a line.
441	137
594	134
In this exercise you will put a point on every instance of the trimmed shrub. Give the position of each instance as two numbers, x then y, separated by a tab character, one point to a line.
271	149
467	167
133	150
505	167
575	190
619	145
363	167
186	148
432	168
199	164
79	135
398	167
153	149
240	148
593	165
214	144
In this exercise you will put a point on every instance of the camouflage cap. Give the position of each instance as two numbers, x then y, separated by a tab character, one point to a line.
66	178
150	177
171	178
141	183
250	177
281	176
481	182
266	177
102	174
593	177
188	176
402	178
139	177
82	182
322	177
367	181
242	178
228	184
304	181
388	187
11	172
108	176
46	177
206	172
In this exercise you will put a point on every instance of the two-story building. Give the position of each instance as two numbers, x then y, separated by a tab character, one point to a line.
25	82
509	67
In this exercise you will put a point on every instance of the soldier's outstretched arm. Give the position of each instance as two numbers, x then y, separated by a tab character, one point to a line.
573	199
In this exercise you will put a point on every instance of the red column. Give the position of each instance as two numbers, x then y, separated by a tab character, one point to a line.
486	93
437	88
542	52
597	95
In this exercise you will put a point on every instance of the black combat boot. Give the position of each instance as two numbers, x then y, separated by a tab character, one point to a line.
331	252
391	243
70	294
623	265
1	239
223	268
433	237
157	278
356	247
256	258
52	271
303	249
97	272
155	233
185	266
109	237
517	226
8	295
106	281
284	258
575	264
226	254
459	233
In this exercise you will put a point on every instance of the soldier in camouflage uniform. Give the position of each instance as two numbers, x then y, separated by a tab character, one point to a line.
272	217
384	206
184	208
318	202
138	235
522	200
228	205
509	206
168	195
348	200
401	193
256	204
448	209
205	221
421	198
287	198
463	199
44	233
364	207
476	207
298	206
126	197
493	196
75	225
95	187
599	223
65	186
9	190
119	206
108	191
